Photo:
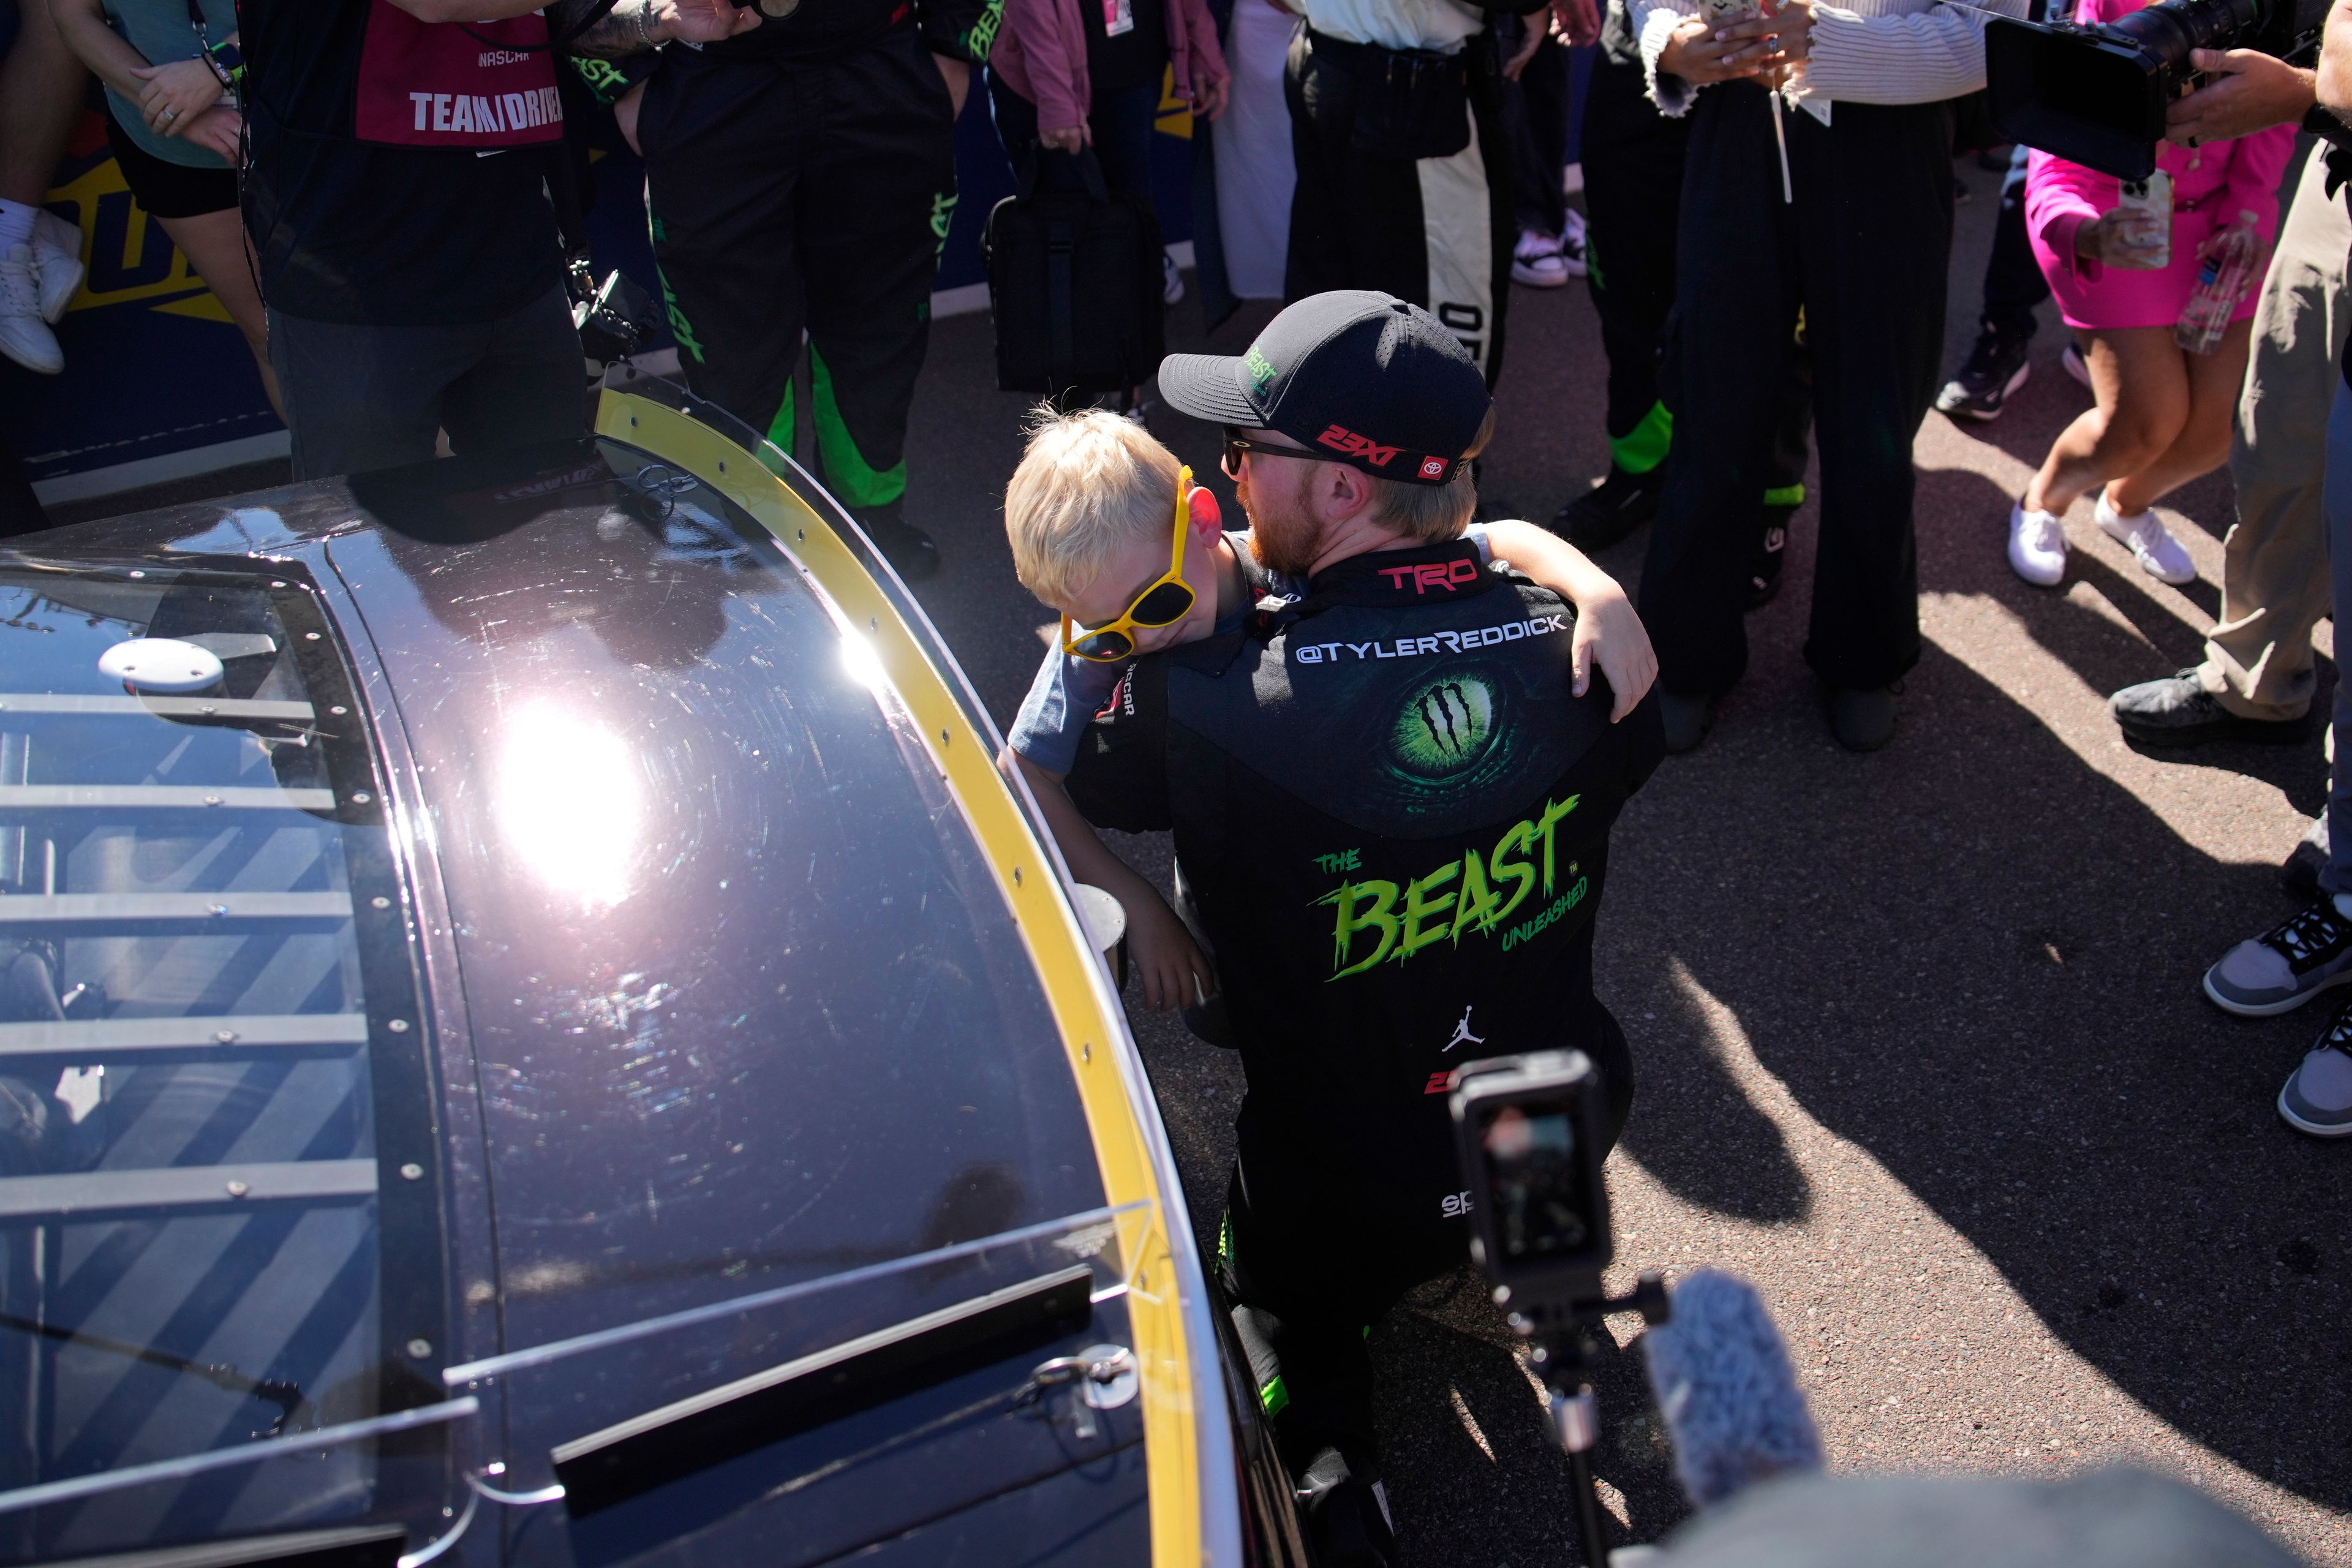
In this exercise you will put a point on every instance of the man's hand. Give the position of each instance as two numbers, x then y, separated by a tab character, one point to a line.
1211	96
217	130
1166	959
2251	91
625	110
175	94
1576	22
700	21
1609	632
958	76
1695	53
1531	39
1067	138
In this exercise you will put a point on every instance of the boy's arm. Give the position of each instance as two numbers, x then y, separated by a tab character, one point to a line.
1174	974
1607	630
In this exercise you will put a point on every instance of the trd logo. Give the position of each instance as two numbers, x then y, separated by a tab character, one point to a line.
1446	575
1340	438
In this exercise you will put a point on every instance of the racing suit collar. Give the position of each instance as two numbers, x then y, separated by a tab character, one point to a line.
1439	573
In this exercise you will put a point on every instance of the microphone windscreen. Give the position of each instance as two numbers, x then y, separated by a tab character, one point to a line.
1724	1384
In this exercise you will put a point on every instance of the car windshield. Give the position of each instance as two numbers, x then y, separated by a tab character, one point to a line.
203	977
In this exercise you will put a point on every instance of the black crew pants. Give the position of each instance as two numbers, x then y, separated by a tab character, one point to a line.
1308	1278
1633	157
789	196
1534	123
2013	283
1863	254
1435	231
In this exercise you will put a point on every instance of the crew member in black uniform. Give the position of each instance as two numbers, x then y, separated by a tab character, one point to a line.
1633	161
1392	815
801	177
1404	171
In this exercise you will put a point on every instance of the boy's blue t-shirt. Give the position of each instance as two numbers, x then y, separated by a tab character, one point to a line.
1070	690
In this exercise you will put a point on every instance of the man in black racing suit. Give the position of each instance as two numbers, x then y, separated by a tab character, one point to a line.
801	177
1393	816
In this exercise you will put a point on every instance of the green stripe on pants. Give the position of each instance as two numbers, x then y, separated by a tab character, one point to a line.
854	482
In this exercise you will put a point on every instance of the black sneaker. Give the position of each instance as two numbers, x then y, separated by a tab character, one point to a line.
1764	565
1347	1516
1996	366
2178	711
2300	872
907	548
1862	720
1611	509
2286	967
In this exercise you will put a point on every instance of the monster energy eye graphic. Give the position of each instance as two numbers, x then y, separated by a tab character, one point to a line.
1445	727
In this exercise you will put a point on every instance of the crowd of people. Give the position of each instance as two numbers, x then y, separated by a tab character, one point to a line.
383	195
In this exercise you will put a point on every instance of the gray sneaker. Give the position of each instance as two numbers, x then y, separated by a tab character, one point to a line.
2317	1099
2280	970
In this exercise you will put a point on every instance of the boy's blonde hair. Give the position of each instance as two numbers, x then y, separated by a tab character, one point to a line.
1090	485
1433	512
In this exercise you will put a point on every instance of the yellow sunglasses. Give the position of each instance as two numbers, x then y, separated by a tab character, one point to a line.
1166	601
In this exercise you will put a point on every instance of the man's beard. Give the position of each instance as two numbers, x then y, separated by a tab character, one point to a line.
1282	537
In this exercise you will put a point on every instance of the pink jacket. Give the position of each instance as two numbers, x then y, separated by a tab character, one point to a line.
2211	185
1041	55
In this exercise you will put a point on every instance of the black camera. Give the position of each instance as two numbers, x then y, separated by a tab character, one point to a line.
614	319
2097	95
1528	1128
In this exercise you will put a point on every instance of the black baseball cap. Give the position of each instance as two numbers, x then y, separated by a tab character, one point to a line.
1356	377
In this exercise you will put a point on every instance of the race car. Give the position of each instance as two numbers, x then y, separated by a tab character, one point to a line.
533	1031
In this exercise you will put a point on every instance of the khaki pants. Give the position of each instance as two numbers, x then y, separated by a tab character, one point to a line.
2274	584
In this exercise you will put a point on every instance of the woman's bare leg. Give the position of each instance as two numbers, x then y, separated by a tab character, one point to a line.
216	246
40	98
2142	392
2203	444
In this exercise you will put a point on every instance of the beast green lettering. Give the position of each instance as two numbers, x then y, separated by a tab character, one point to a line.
1552	812
1415	936
1476	908
1352	919
1492	886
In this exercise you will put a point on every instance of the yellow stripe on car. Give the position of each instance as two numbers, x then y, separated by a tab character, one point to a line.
1058	948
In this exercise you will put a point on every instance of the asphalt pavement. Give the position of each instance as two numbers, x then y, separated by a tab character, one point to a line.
1919	1041
1918	1035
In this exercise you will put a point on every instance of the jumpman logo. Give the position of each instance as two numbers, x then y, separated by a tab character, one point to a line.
1461	1032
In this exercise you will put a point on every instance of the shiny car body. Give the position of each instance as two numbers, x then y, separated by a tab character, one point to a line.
566	1051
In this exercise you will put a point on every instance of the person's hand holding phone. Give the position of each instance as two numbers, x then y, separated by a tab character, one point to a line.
1696	52
2127	238
1780	36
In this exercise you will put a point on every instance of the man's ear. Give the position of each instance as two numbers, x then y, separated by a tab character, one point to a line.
1344	490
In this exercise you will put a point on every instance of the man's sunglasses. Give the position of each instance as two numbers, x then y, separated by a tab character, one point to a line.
1237	443
1165	602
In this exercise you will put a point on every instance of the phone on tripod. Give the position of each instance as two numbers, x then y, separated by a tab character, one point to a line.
1527	1132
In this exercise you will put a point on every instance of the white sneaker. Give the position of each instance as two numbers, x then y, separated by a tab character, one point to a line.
1572	242
2037	546
2071	362
1171	282
2152	545
23	336
56	262
1536	262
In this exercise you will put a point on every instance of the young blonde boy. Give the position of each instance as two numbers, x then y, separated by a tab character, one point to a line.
1091	513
